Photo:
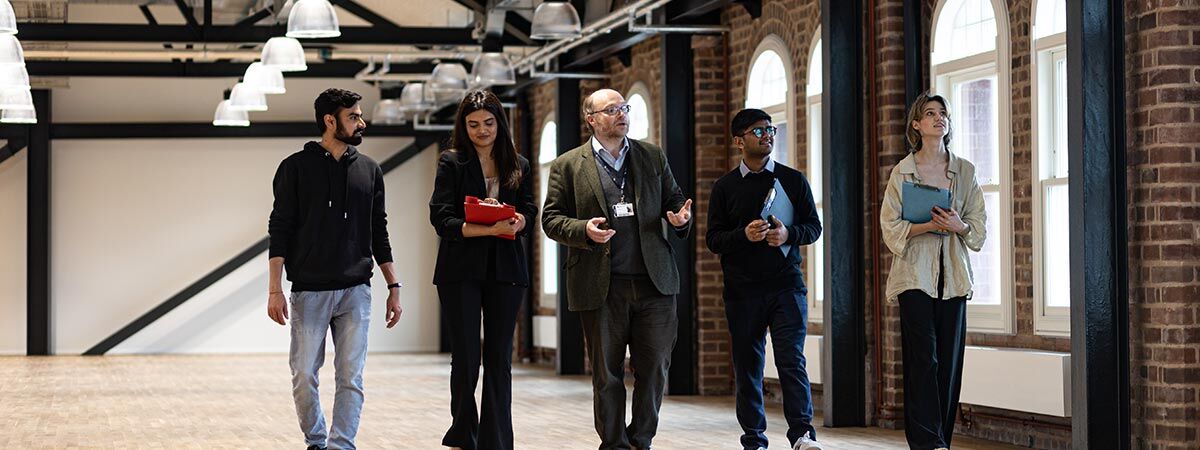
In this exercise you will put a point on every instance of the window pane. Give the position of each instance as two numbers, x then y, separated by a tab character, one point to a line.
965	28
768	84
549	247
548	145
986	263
816	266
974	127
1051	18
1056	262
639	118
814	151
815	82
781	152
1059	168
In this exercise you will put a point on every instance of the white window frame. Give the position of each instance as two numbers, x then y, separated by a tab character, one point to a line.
784	112
1047	51
639	88
814	273
546	299
998	319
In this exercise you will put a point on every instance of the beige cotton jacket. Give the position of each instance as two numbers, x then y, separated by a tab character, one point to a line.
916	261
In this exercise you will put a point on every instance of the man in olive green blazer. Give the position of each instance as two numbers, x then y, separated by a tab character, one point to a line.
607	200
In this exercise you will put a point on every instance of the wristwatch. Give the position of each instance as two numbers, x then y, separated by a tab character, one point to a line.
394	285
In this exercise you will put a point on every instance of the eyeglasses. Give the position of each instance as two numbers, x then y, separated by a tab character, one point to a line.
759	132
612	110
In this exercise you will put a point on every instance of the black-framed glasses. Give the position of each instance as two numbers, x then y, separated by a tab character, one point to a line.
612	110
759	132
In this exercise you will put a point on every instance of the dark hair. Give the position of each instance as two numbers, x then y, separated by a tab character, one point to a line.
913	137
746	117
504	151
330	102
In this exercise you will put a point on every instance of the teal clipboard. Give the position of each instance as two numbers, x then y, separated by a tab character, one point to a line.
919	199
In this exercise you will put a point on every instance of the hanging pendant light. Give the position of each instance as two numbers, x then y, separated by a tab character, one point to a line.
10	50
245	98
555	20
387	112
492	69
8	18
16	98
226	116
267	80
447	83
18	116
312	19
413	98
285	54
13	76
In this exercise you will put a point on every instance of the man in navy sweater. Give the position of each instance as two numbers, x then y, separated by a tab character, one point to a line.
759	215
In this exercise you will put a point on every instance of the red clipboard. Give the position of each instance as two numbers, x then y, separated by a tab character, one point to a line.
485	214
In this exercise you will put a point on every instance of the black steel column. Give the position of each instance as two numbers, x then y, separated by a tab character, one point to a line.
38	331
844	343
1099	279
524	122
914	68
570	328
678	130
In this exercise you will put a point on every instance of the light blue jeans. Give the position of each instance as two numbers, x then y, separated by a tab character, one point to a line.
348	313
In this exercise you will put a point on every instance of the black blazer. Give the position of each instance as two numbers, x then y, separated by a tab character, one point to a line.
465	259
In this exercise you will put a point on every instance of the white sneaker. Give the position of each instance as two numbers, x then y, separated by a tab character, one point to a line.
804	443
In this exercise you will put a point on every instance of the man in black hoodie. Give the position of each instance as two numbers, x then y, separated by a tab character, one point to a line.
327	223
758	217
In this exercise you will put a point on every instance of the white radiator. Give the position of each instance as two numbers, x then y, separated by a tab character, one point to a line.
1017	379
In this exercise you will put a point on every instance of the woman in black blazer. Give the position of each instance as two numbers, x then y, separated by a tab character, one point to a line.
478	273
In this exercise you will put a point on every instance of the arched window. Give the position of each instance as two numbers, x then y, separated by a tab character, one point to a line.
971	69
547	151
767	88
816	257
1051	290
639	112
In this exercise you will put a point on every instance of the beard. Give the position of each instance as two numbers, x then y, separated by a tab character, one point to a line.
348	138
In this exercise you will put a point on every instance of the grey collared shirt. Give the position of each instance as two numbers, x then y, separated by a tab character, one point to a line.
745	170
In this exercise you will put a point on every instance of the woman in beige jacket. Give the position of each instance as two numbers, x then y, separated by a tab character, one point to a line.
931	273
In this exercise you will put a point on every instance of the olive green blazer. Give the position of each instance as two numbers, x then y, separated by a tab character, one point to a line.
574	195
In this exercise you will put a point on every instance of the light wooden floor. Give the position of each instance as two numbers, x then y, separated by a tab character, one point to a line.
178	402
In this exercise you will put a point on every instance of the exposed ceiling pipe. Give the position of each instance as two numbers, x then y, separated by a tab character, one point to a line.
604	25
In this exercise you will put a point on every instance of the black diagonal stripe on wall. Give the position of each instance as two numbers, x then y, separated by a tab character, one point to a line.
228	267
10	149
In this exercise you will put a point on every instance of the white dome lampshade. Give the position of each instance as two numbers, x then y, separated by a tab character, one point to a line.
387	112
555	20
447	83
229	117
16	98
414	98
313	19
8	18
267	80
13	76
285	54
18	116
245	98
493	69
10	50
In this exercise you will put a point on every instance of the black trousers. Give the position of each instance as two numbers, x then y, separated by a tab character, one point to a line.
638	316
934	336
464	304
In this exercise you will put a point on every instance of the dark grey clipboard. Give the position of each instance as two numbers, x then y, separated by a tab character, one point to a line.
919	199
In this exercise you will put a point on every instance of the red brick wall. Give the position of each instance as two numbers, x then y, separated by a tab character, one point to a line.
1163	101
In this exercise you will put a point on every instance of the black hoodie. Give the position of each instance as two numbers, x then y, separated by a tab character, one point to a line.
328	219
